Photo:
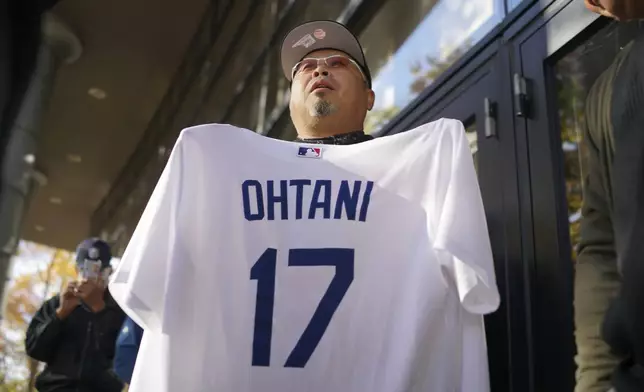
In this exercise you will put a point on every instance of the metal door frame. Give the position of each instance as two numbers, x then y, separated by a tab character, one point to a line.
545	236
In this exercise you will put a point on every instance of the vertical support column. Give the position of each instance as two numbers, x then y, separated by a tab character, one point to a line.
19	177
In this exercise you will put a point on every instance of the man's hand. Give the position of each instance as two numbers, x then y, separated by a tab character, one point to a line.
68	301
91	292
617	9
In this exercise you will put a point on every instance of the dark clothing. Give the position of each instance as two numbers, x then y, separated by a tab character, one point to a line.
627	116
597	278
127	349
610	269
342	139
78	350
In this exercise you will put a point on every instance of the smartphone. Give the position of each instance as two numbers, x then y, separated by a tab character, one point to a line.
91	270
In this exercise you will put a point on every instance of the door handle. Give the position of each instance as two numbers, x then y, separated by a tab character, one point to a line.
490	118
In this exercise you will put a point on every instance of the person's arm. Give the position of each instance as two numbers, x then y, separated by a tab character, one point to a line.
617	9
44	331
596	273
127	349
629	194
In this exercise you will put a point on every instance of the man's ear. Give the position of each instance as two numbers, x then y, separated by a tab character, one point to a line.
371	99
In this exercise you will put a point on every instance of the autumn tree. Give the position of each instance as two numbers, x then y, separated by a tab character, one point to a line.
379	117
426	71
42	272
571	91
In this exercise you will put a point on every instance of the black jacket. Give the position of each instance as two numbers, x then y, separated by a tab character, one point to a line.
78	350
613	225
624	324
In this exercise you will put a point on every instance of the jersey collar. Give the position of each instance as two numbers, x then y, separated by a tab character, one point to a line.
342	139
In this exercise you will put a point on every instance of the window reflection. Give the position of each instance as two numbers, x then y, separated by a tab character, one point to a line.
572	91
575	75
410	43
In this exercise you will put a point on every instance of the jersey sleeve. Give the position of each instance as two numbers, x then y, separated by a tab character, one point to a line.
461	238
140	282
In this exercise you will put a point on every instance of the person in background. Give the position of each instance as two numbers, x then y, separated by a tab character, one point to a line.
127	348
609	296
74	333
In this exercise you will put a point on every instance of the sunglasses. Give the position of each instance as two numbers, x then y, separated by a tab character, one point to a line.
335	62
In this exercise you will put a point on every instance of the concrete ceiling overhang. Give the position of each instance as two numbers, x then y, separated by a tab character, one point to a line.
101	105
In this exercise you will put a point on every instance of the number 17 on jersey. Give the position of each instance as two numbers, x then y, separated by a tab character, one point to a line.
264	272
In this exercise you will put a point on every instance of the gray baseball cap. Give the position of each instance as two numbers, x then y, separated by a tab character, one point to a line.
318	35
94	249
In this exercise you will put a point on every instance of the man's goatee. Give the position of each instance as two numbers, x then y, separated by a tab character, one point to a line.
321	108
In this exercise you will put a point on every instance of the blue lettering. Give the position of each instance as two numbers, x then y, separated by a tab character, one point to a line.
316	203
272	199
365	201
348	199
299	195
258	197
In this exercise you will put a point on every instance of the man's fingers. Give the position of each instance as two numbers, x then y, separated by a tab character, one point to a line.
87	286
621	10
81	288
596	8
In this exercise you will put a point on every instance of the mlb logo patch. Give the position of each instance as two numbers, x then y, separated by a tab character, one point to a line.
309	152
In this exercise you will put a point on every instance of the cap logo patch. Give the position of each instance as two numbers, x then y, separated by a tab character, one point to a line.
93	253
319	33
305	41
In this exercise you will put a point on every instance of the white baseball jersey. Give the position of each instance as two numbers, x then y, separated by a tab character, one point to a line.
274	266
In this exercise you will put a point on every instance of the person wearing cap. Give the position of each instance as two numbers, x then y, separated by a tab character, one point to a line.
74	333
330	83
